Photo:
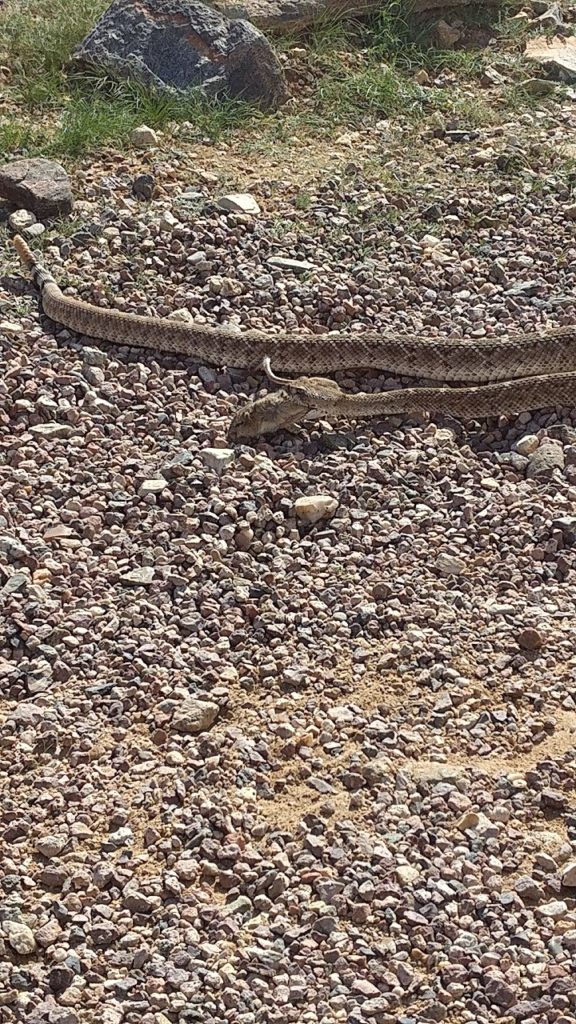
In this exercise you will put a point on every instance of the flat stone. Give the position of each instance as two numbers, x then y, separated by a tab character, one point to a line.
141	577
406	874
314	507
154	485
194	716
555	909
52	431
239	202
48	934
38	186
179	45
283	263
10	328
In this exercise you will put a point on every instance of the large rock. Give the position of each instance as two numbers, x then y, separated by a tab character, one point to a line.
41	186
178	45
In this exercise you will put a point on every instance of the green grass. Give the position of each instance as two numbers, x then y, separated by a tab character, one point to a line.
363	70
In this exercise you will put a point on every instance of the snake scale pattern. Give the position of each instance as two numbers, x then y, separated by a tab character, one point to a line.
525	371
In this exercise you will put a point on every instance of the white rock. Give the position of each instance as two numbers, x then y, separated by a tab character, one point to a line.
527	444
569	875
139	577
450	565
314	507
143	137
239	202
556	909
184	316
51	430
284	263
430	242
167	221
217	458
154	485
20	937
195	715
51	845
406	874
21	219
8	327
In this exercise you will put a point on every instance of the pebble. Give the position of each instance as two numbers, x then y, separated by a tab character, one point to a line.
141	577
314	507
283	263
194	716
569	875
450	565
545	461
527	445
217	459
530	639
239	202
21	219
19	937
143	137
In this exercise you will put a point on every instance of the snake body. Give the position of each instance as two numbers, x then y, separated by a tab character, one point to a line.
525	371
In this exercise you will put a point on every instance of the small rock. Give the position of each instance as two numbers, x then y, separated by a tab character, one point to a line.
167	221
10	328
406	874
239	202
143	137
217	458
569	875
154	485
48	934
34	230
284	263
555	909
553	798
144	186
141	577
21	219
570	211
545	461
51	845
194	716
530	639
527	445
52	430
314	507
500	993
38	185
450	565
20	937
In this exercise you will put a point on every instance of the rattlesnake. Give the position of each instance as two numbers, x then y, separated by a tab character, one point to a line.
526	371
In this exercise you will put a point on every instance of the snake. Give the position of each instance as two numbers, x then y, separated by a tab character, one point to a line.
521	372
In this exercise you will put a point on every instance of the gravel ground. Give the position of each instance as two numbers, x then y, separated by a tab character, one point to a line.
265	759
